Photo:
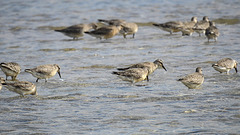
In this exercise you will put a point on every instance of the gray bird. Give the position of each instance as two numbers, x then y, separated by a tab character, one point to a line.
44	71
212	32
225	65
172	26
201	26
115	22
76	31
193	81
187	27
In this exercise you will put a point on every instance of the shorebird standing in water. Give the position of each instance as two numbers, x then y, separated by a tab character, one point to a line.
187	27
212	32
10	69
76	31
44	71
225	65
152	66
133	75
193	81
105	32
172	26
129	28
21	87
201	26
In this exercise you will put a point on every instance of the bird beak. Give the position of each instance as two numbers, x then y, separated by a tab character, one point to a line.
164	68
236	69
59	74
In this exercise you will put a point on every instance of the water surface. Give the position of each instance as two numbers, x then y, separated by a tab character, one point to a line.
89	99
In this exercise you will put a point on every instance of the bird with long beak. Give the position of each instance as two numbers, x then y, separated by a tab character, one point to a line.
225	65
151	66
44	71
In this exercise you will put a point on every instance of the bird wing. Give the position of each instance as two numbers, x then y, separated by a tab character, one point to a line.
24	86
194	78
226	62
101	31
212	30
73	29
11	66
202	25
134	72
44	69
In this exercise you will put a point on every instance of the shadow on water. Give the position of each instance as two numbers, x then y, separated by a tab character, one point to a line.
106	41
67	40
18	97
69	97
210	43
159	99
95	67
64	50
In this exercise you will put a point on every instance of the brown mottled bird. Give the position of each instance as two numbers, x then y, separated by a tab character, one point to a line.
129	28
133	75
10	69
21	87
105	32
152	66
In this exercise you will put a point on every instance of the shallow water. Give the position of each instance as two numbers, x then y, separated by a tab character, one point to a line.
89	99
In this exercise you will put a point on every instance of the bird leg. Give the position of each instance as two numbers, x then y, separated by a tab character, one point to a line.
147	79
